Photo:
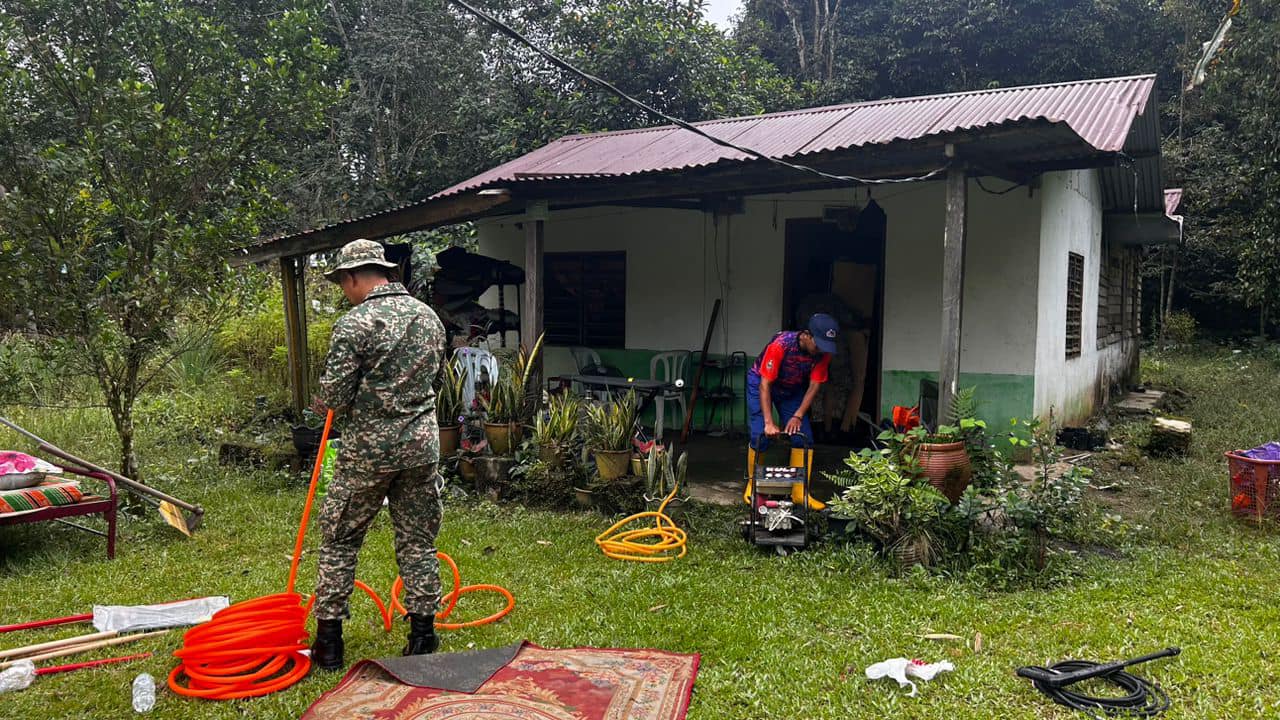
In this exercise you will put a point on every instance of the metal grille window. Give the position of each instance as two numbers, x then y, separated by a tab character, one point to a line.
1075	302
585	299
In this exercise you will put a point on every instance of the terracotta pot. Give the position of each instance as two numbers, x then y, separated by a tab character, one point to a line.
612	464
584	497
493	474
551	455
947	467
467	469
449	438
502	436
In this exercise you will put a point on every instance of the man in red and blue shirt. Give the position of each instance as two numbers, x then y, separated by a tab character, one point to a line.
786	377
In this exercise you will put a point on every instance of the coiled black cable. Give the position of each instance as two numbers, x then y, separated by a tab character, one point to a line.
1143	698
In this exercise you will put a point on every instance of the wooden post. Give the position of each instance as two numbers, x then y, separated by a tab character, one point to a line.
295	331
953	241
531	317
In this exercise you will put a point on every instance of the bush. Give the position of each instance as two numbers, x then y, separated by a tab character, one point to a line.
255	340
1180	328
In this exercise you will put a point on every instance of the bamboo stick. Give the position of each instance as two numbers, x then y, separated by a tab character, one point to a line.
39	647
74	650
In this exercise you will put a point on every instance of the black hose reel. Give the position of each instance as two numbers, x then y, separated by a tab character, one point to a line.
1141	697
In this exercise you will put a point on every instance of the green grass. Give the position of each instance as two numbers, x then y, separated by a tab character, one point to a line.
779	637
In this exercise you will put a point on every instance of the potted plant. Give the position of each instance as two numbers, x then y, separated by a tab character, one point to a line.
609	429
663	481
449	408
555	429
943	458
892	507
510	404
470	450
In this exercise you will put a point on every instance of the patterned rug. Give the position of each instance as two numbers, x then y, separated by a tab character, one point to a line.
538	684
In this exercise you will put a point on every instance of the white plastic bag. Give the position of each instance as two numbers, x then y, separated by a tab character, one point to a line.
127	618
901	668
17	676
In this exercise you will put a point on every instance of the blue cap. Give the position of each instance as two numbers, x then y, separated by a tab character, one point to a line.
825	331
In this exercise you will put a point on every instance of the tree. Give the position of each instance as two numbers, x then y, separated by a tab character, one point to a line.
140	141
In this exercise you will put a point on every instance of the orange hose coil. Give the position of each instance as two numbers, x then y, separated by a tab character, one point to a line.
256	647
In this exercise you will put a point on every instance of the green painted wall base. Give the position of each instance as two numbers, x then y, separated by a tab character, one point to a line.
1000	397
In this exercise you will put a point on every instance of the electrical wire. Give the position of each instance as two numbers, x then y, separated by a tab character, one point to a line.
1007	190
572	69
1142	698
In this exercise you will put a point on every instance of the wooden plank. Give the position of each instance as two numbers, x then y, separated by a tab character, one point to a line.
953	242
531	318
421	216
295	331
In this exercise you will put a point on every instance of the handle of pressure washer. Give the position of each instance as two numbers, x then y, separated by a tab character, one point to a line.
1058	680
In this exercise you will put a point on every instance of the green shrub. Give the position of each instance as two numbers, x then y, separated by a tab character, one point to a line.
254	340
1180	328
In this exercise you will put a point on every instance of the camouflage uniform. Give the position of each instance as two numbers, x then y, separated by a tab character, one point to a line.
383	360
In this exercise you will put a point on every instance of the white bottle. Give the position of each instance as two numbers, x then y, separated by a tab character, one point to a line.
144	693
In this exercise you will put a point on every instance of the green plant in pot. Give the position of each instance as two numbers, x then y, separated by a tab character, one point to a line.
609	429
449	408
663	479
512	401
555	429
895	509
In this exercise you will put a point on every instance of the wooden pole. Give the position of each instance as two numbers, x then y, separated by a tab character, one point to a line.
953	242
531	312
40	647
295	330
697	376
77	649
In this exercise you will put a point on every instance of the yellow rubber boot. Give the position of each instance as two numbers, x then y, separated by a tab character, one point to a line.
751	473
797	490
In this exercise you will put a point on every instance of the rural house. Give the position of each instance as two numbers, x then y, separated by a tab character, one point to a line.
1003	254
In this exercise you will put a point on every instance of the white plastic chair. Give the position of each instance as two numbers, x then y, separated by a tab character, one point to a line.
584	358
668	367
479	367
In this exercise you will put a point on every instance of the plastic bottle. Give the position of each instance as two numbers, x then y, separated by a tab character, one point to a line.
144	693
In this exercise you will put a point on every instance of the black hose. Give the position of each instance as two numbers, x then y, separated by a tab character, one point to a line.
1143	698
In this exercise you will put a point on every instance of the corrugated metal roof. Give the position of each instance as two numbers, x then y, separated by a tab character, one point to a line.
1101	112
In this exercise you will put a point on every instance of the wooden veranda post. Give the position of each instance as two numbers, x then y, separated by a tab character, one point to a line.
531	312
295	330
953	242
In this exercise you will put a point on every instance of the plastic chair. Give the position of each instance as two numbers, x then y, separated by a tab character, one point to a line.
479	367
669	367
588	363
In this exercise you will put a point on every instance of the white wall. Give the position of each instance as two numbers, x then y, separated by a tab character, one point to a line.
1072	222
679	262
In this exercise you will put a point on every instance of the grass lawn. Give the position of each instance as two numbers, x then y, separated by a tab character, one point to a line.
779	637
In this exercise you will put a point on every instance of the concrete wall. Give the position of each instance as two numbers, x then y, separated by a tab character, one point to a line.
1071	221
679	262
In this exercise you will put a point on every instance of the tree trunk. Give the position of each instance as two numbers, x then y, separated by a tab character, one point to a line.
128	459
1173	273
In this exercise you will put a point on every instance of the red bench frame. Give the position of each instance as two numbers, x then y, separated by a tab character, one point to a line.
90	505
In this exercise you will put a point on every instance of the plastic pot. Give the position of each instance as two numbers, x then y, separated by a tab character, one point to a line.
612	464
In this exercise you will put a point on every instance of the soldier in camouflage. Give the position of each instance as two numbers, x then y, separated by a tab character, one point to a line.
384	358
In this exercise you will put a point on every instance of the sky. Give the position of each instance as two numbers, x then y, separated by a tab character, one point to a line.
718	11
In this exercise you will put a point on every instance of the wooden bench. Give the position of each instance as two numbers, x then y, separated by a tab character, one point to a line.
89	505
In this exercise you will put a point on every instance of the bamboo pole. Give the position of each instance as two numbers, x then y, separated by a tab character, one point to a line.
64	642
76	649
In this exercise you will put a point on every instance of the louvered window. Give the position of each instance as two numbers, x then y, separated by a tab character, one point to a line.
1075	302
585	299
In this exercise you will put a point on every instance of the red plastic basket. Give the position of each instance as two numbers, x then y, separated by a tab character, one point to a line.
1255	486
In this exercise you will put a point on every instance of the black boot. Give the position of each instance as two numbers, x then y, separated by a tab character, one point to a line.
422	635
326	652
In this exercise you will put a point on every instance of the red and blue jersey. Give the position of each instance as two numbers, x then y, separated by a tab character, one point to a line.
787	367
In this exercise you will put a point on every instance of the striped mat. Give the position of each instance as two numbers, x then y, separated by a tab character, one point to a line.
49	493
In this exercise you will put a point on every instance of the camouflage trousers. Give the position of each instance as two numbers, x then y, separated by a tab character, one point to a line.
352	502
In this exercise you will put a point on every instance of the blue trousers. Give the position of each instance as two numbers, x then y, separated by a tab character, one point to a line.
785	406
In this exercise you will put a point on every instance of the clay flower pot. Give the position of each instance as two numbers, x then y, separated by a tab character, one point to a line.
502	436
584	498
612	464
449	439
467	469
947	467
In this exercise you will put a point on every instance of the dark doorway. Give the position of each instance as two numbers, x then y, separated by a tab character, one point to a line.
836	266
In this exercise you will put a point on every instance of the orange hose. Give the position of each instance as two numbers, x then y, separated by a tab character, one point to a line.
256	647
